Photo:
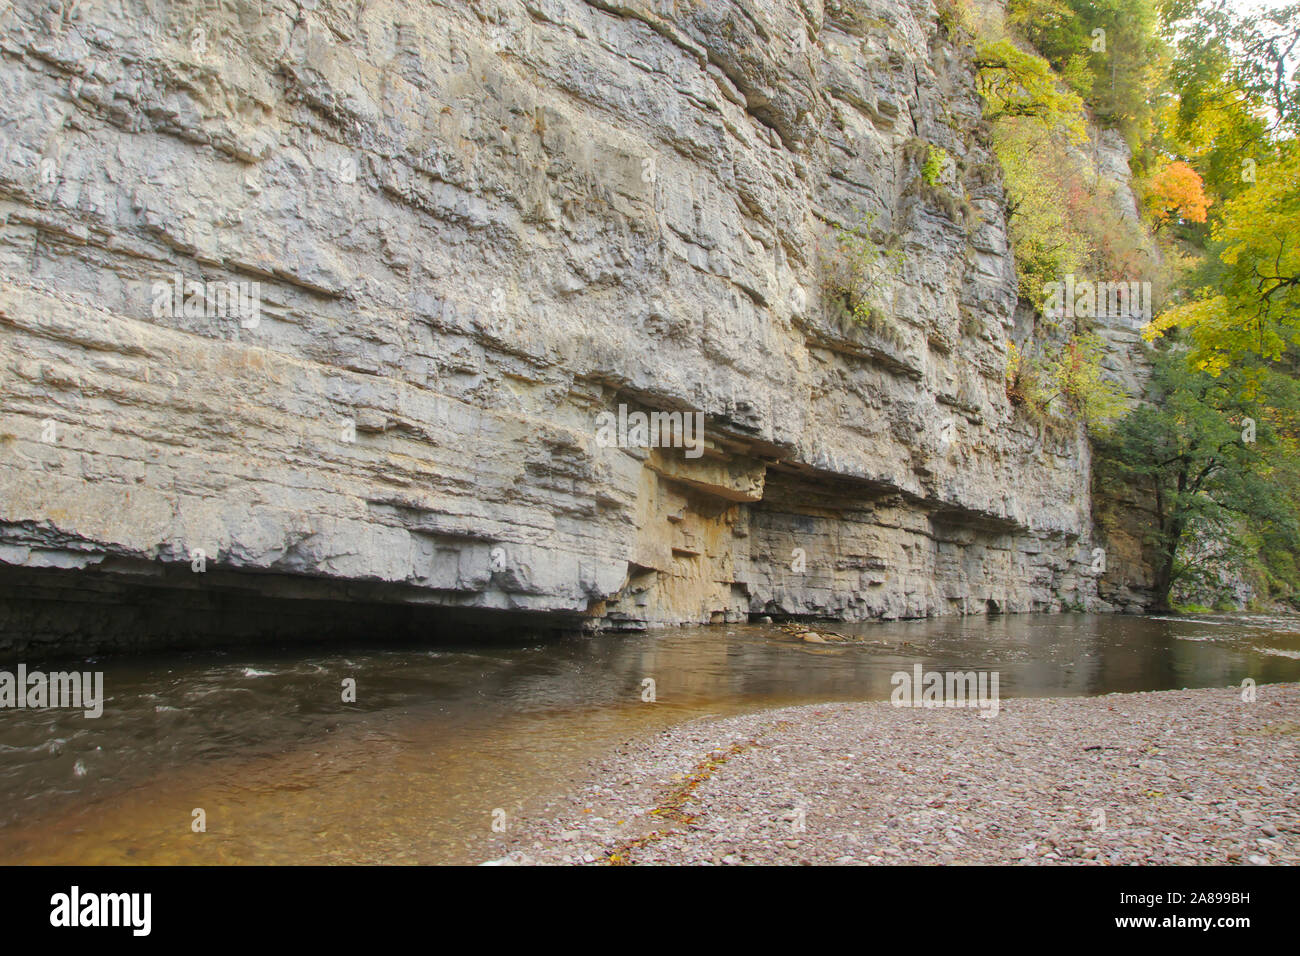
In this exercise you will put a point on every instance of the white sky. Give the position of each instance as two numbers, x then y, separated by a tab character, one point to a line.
1245	6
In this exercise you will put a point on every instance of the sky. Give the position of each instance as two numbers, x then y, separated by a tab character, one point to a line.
1245	6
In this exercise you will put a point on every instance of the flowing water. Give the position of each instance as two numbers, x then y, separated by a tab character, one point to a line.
440	737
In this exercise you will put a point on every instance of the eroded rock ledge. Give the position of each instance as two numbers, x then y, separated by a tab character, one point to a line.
474	227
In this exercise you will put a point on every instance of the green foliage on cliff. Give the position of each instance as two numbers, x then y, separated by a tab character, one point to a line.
1208	97
1075	372
936	159
1065	385
1047	242
1107	51
855	274
1062	214
1017	83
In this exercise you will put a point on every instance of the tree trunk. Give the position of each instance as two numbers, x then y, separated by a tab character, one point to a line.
1164	582
1164	577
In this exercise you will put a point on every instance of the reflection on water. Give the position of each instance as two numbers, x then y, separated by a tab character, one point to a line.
440	737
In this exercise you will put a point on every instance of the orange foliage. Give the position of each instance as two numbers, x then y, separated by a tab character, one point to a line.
1177	191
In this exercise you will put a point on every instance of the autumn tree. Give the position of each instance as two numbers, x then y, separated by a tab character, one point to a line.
1177	193
1247	311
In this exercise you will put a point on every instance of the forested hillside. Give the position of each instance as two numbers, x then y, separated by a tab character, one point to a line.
1204	95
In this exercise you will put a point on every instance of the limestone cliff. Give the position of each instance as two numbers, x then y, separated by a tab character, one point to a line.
473	228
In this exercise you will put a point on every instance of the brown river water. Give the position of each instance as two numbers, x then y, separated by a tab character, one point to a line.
441	736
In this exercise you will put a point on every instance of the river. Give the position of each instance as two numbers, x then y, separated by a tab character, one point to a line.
440	737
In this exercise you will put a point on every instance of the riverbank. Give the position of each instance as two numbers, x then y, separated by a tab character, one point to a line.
1169	777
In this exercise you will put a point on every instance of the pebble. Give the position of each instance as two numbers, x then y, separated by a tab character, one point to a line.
1120	779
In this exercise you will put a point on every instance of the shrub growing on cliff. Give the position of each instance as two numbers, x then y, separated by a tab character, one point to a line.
936	159
956	16
1047	243
1021	379
856	271
1075	374
1067	385
1035	121
1062	215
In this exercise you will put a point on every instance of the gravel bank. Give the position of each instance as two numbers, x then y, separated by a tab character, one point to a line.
1177	777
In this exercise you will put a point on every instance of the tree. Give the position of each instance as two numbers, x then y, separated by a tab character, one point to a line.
1208	457
1248	314
1226	55
1212	123
1014	83
1110	52
1176	192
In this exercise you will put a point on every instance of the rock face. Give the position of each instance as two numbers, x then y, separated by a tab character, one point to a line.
459	233
1123	516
